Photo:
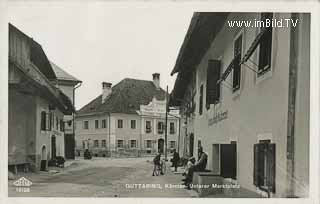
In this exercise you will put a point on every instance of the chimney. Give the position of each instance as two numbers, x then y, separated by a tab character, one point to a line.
156	80
106	90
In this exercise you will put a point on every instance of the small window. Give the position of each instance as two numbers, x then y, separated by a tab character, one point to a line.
160	127
86	125
264	165
43	120
172	144
265	47
237	65
201	100
148	126
96	124
120	123
96	143
103	143
172	129
133	143
104	123
120	143
148	144
133	124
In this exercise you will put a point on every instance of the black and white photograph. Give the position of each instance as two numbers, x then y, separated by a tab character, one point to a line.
120	100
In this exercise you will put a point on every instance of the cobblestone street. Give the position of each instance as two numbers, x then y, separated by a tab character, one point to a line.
102	177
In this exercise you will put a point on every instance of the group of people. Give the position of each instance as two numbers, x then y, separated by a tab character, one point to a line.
191	166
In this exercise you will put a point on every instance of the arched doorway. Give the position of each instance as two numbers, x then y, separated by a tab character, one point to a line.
161	146
53	147
43	163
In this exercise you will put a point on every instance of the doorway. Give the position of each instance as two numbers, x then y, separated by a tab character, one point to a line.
161	146
53	147
43	163
191	143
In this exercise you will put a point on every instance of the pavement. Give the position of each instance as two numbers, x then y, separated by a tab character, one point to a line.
103	177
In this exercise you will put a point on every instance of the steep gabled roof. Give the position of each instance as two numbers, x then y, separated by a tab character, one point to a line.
61	74
126	97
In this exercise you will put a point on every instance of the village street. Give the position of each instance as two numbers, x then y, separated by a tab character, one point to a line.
101	177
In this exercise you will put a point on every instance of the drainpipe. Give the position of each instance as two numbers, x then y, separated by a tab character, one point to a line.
73	118
109	127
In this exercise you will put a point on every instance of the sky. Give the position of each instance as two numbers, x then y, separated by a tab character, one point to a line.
98	42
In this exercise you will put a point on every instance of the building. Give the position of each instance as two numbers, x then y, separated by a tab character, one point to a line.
67	84
36	106
127	119
244	97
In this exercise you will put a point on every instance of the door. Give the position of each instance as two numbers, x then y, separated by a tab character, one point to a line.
160	146
228	160
53	147
191	144
69	146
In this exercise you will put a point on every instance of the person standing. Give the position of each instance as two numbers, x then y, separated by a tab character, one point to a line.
175	160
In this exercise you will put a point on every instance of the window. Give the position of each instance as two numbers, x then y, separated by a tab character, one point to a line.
120	123
265	47
49	121
104	123
148	144
201	100
237	65
86	125
133	124
43	120
213	87
133	143
148	126
264	165
96	124
120	143
172	144
61	125
96	143
172	129
160	127
103	143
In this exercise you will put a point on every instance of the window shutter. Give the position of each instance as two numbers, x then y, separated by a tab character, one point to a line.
213	88
271	160
256	165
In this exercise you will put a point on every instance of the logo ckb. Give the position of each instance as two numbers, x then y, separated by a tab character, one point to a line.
22	182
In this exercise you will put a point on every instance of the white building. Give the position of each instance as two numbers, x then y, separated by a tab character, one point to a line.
244	97
126	119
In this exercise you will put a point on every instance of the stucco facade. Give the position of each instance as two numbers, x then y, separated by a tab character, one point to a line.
259	110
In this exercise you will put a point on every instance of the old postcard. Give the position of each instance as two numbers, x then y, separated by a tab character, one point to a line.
153	100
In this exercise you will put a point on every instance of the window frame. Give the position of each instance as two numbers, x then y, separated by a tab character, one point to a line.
120	142
135	144
133	124
103	143
103	123
148	129
238	68
172	128
86	124
148	145
120	125
266	47
95	143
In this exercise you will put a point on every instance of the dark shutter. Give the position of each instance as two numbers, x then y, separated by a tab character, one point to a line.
271	161
228	160
255	164
213	88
